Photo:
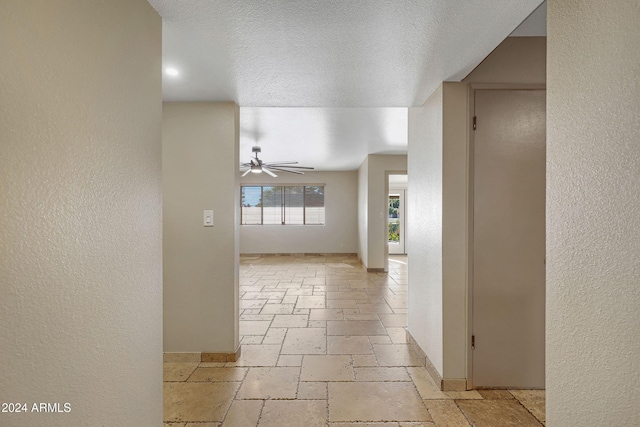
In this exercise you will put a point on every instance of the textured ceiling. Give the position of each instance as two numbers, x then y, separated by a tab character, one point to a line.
323	138
330	55
333	53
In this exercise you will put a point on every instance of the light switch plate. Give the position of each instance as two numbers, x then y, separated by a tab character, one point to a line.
208	218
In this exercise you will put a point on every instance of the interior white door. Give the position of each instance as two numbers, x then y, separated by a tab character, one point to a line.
509	239
396	222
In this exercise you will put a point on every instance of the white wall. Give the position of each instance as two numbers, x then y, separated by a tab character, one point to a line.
438	228
455	229
200	171
424	220
593	208
338	235
80	212
516	60
363	211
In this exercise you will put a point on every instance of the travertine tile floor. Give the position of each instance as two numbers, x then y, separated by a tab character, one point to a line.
323	344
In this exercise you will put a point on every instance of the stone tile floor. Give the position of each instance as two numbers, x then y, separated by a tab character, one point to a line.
323	344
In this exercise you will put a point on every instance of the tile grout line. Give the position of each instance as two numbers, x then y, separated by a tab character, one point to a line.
526	409
233	399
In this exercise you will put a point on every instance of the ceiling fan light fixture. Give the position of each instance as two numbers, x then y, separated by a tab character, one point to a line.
257	166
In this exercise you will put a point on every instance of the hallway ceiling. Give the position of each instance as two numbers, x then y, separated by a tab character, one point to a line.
323	138
326	56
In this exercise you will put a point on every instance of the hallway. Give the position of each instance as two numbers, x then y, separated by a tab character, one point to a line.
323	344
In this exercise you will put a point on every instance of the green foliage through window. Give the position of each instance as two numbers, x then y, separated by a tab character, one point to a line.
394	232
394	225
394	205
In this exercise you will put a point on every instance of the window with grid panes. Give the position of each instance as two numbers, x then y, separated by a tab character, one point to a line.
282	205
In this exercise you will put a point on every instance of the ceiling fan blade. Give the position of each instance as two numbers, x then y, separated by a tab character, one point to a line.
285	170
281	163
257	165
292	167
269	172
247	171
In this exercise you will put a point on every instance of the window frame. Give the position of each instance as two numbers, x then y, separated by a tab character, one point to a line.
283	206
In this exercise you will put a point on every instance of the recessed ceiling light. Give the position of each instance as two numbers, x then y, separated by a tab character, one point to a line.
171	71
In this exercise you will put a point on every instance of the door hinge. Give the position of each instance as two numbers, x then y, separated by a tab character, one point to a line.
474	122
473	342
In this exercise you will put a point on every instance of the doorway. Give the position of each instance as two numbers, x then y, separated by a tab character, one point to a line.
508	251
396	218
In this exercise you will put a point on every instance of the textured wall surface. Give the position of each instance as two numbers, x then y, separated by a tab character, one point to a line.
424	223
338	235
455	228
593	208
80	212
200	171
363	211
516	59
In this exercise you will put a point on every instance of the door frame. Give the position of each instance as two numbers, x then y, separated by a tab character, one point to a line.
386	224
402	216
470	202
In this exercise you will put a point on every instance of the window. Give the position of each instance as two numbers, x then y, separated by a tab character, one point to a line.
314	204
272	205
282	205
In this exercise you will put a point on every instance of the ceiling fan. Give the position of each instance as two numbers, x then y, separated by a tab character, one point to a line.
258	166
